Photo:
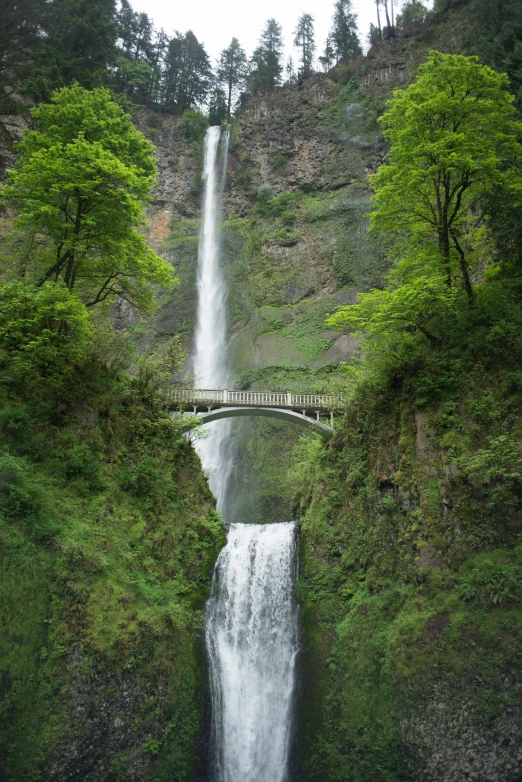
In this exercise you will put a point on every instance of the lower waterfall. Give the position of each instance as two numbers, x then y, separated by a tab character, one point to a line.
251	636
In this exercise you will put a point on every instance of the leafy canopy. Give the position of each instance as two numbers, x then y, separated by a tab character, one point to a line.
453	140
453	143
81	184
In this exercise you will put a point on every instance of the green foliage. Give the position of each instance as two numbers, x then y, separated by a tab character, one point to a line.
107	524
81	184
344	35
77	44
194	125
266	66
285	237
187	75
231	73
452	140
44	335
304	39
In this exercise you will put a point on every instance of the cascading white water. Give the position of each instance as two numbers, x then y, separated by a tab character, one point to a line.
252	644
252	618
210	367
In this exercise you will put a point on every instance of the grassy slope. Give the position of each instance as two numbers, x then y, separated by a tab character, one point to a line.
108	536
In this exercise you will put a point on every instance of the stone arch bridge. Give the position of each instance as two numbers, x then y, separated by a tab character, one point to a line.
301	409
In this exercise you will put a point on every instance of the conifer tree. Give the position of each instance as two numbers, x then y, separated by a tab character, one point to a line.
19	40
266	67
187	76
344	31
328	58
290	74
79	44
232	72
304	38
217	105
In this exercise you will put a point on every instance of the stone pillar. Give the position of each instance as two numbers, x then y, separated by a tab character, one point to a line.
289	398
331	418
317	414
225	396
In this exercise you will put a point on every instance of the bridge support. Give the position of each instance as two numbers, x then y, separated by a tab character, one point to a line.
286	415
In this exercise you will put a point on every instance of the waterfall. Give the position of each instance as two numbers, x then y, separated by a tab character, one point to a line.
252	644
251	631
210	368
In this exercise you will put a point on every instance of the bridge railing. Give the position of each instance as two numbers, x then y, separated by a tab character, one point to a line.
256	398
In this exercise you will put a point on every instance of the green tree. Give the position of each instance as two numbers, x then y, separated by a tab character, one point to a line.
232	72
81	184
328	58
266	65
344	31
217	105
44	333
19	39
413	13
187	76
304	38
453	141
78	44
496	32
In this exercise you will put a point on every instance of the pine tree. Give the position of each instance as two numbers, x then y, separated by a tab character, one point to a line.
344	31
187	76
79	45
217	105
304	38
266	67
290	74
328	58
19	40
232	72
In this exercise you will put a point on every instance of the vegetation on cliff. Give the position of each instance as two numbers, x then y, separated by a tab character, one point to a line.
108	531
411	534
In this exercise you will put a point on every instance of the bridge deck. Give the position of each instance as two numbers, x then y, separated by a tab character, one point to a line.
226	398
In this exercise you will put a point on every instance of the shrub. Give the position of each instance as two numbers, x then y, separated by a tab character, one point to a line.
44	333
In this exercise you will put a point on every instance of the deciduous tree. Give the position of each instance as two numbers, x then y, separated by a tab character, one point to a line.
453	141
81	183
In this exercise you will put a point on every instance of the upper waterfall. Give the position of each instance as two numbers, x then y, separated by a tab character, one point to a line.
210	365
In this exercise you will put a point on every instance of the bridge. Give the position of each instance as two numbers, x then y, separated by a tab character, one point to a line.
301	409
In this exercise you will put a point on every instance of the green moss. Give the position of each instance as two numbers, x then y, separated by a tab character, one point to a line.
108	536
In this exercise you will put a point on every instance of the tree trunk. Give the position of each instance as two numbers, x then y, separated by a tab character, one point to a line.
378	5
464	269
229	107
444	249
388	23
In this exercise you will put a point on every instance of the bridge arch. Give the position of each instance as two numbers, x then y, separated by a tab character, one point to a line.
273	412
